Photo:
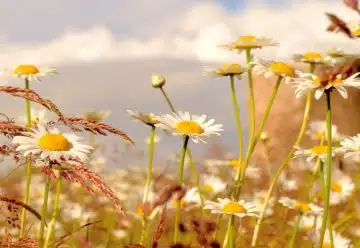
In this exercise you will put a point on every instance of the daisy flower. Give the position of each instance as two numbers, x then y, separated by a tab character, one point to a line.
157	80
287	183
148	119
226	70
307	82
339	240
238	208
97	115
192	197
310	58
303	207
317	130
274	68
30	72
183	123
214	185
350	146
249	42
354	27
342	188
38	116
52	145
308	222
312	153
259	199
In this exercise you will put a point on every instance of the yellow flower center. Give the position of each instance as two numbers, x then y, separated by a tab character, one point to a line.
326	245
319	150
230	69
235	163
54	142
337	81
336	187
139	210
35	121
26	70
182	203
189	128
247	38
208	188
282	69
311	56
233	207
356	32
302	206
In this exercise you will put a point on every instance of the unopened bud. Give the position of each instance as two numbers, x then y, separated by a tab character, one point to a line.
157	80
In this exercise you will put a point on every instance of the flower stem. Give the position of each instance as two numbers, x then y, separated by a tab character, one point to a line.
191	161
231	232
167	100
281	168
44	210
261	128
238	122
295	230
180	181
27	166
55	211
148	181
328	169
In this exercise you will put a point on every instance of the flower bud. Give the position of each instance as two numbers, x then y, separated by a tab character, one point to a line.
157	80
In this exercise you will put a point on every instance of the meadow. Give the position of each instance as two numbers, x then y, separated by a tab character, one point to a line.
59	191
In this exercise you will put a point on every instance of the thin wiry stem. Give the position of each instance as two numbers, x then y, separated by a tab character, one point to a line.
28	164
44	210
326	218
180	181
295	231
148	181
281	168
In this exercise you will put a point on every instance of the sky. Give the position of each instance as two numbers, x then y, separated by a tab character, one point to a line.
106	51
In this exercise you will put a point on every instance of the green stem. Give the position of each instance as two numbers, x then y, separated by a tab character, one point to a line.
226	239
231	232
28	164
55	211
252	97
218	222
148	181
238	122
180	182
261	128
44	210
326	218
167	100
295	231
191	161
281	168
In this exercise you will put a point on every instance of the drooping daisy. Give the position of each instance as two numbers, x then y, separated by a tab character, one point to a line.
97	115
29	72
317	131
312	153
303	207
310	57
275	68
213	184
237	208
38	116
350	147
226	69
183	123
249	42
339	240
52	145
307	82
337	56
148	119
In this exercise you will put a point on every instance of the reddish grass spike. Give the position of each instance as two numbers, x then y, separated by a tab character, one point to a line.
159	229
353	4
17	203
31	96
94	127
337	23
9	129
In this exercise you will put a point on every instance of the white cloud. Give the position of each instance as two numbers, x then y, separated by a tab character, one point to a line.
194	33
